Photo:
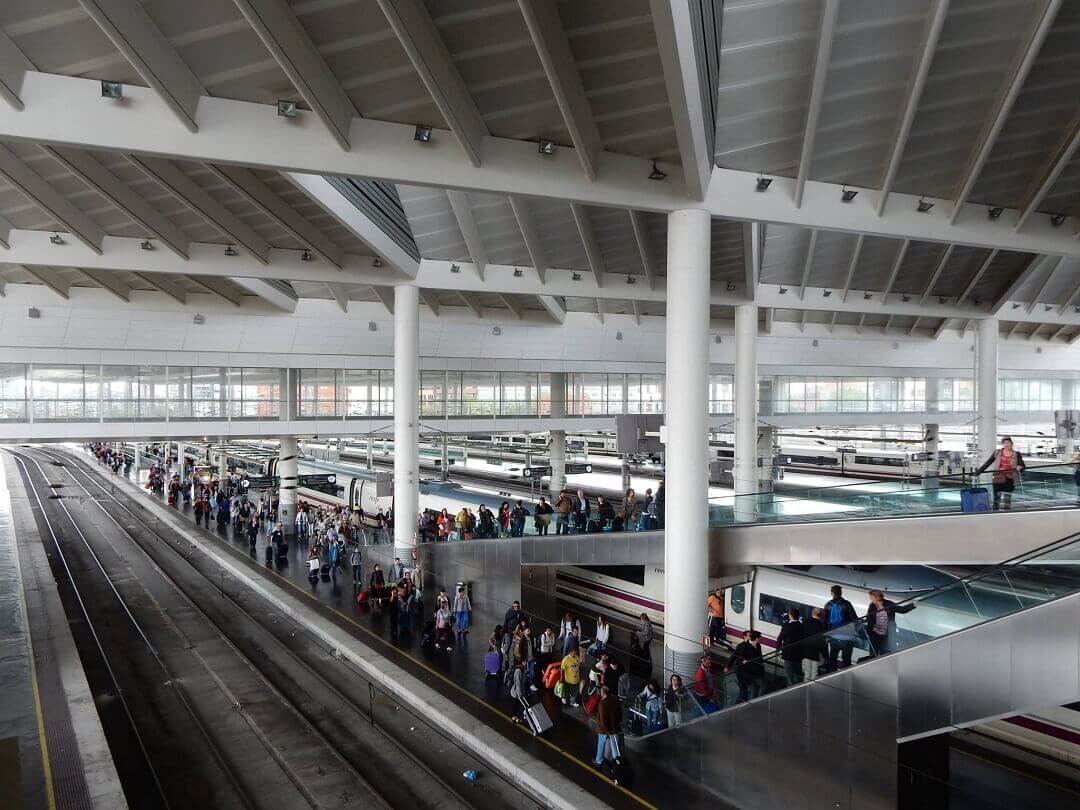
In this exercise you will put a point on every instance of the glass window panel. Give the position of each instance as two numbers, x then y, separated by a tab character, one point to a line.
12	391
479	393
432	393
59	393
517	393
383	404
153	389
360	391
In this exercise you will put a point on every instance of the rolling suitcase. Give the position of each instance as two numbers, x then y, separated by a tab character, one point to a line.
492	664
975	499
621	771
591	704
324	572
536	717
269	552
594	526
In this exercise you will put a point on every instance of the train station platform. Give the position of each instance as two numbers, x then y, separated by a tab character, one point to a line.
53	752
451	689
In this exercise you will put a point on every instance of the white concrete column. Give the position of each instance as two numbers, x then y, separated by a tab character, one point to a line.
288	477
932	467
557	446
745	473
136	465
445	460
406	418
686	550
765	449
222	464
370	453
986	369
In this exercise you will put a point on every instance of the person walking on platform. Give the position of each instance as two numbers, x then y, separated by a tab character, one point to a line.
608	727
303	526
514	617
542	518
581	511
880	621
397	571
571	676
791	650
253	530
356	563
815	648
715	606
643	636
462	613
839	618
1007	464
563	507
569	632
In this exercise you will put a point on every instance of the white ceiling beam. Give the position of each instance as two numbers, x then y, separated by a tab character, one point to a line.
86	166
1033	333
1058	332
555	307
430	58
13	68
637	312
530	234
513	305
247	185
1014	83
137	37
853	264
553	49
802	321
1074	338
429	297
341	295
237	132
5	232
931	34
472	303
941	327
832	321
673	25
914	326
808	263
52	202
895	271
752	244
769	315
888	323
355	221
983	267
1032	266
943	260
1068	301
826	29
385	296
108	281
1059	159
164	285
3	288
1013	328
216	286
600	309
644	245
588	239
459	202
51	279
859	325
175	181
289	44
269	291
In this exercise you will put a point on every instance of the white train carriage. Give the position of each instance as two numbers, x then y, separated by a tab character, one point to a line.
361	493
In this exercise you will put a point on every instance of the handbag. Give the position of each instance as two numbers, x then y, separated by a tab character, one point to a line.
562	690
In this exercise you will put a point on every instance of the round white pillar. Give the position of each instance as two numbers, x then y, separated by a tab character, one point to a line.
557	446
986	369
686	560
406	418
288	477
745	473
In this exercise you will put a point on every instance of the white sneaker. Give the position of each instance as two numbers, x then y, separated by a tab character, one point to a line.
533	688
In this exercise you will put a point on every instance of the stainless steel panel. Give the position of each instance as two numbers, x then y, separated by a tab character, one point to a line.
1044	655
753	761
973	701
925	688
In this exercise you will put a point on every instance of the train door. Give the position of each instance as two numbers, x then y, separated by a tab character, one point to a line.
739	608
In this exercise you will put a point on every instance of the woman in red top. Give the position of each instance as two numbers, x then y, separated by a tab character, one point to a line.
1006	465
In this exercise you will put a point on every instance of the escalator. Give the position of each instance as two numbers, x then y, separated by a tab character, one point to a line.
1002	641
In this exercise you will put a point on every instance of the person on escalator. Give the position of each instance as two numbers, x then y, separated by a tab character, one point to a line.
749	665
791	651
881	621
1007	465
839	618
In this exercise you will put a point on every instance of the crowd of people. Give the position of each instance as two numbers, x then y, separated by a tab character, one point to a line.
569	513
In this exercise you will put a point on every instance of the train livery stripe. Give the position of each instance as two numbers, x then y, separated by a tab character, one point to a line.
737	633
608	591
1032	724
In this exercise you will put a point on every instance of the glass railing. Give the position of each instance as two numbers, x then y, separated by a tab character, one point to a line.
1043	487
1048	573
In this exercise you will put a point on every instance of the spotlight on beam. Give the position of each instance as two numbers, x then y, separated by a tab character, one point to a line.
455	268
1057	219
924	206
231	251
847	195
995	212
763	184
731	286
867	296
286	109
546	148
147	244
113	90
630	280
305	256
826	293
377	262
657	173
575	276
56	239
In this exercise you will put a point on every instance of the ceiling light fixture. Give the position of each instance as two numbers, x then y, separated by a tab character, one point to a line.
33	312
905	298
286	109
1057	219
618	335
198	318
847	194
763	183
575	276
867	296
1048	307
995	212
231	251
731	286
630	279
826	293
56	239
782	290
718	339
377	262
372	326
942	299
305	256
147	245
455	268
546	147
113	90
1016	306
924	206
496	331
657	173
518	272
422	134
814	342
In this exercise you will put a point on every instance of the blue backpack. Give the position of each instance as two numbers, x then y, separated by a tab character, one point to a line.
836	614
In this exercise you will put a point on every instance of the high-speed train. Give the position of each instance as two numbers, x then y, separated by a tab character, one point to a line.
361	493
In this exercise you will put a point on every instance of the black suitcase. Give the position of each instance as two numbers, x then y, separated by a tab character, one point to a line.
282	551
594	527
269	552
622	773
325	571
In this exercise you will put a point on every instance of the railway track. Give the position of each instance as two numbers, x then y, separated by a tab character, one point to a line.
215	698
